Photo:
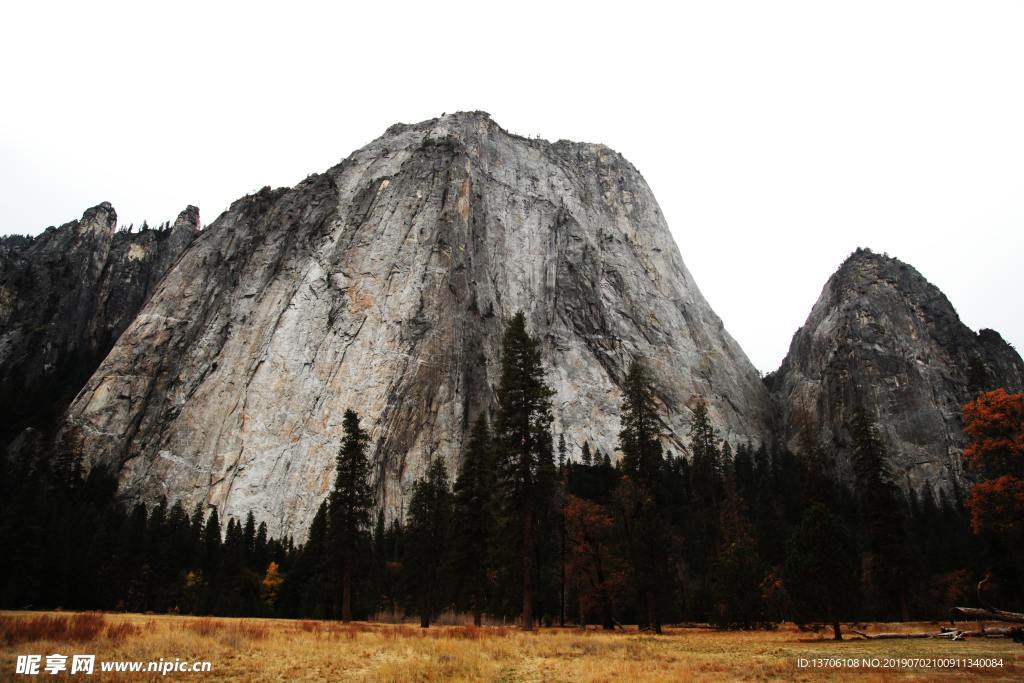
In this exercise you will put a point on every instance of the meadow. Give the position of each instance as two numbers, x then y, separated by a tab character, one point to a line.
283	650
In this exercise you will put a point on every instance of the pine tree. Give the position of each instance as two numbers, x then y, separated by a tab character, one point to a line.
738	571
642	456
707	462
350	502
427	539
249	539
212	562
523	436
703	511
643	467
473	519
882	519
586	458
821	569
259	549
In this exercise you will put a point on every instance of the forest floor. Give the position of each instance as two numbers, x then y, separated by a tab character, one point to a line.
283	650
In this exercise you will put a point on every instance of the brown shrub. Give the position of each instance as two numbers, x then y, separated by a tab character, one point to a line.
462	632
79	627
204	627
85	627
252	631
120	631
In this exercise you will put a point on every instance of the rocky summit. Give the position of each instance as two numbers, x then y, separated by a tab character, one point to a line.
882	339
383	285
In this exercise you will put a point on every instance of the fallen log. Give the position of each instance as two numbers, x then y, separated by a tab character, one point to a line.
998	632
985	614
944	634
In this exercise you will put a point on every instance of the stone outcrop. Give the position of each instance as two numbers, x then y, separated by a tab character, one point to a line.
65	298
382	285
883	337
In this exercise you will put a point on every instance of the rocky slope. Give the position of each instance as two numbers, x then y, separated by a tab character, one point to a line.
882	335
65	298
382	285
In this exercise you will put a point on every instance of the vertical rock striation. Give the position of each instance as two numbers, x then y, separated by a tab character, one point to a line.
382	285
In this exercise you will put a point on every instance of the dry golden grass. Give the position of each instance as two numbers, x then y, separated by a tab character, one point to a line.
279	650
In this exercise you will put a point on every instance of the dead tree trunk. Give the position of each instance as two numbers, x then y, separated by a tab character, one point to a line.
985	614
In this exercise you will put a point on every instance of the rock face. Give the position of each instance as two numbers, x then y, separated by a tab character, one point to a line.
65	298
882	335
382	285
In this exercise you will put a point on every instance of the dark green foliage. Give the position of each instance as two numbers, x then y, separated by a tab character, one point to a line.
740	535
427	540
525	461
888	564
821	569
77	547
350	503
473	521
640	498
737	572
642	458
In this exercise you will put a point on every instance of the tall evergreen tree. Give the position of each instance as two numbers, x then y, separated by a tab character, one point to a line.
882	521
642	456
821	569
703	512
350	503
249	538
523	436
641	501
473	519
427	538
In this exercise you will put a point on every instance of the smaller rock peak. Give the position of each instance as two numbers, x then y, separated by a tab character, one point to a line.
101	217
189	218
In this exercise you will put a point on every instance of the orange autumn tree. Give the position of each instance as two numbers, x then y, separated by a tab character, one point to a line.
994	426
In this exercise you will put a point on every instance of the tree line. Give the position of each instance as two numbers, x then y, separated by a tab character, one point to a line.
525	531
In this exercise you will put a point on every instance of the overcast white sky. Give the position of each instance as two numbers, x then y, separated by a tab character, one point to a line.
777	137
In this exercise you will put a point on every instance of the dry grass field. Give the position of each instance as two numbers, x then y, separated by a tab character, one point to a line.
279	650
